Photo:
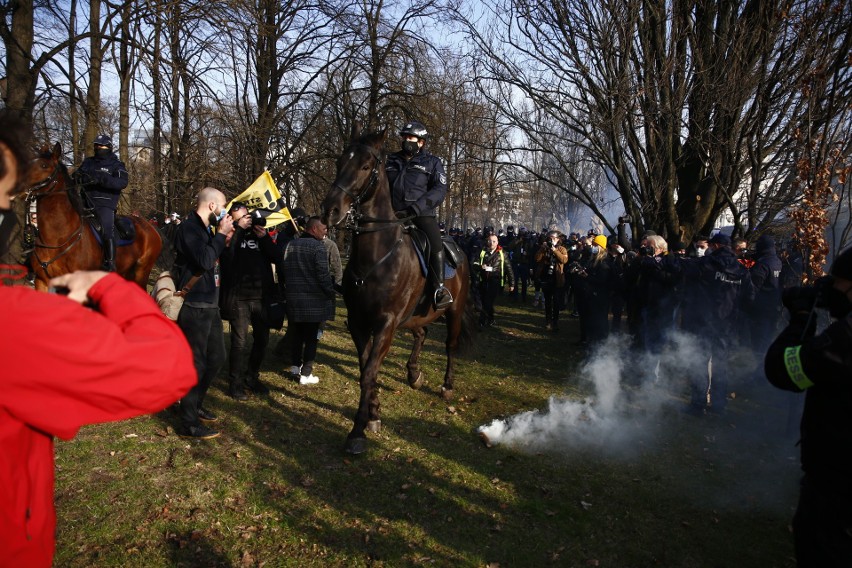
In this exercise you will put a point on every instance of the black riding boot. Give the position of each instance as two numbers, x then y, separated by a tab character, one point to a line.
109	255
442	297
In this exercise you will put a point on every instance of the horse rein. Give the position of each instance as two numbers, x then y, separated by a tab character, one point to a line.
34	194
354	218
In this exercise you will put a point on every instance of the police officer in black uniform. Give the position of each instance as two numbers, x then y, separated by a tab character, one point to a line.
821	366
103	176
418	185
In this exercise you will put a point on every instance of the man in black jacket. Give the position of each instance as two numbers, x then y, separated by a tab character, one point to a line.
103	176
197	252
418	186
821	365
247	285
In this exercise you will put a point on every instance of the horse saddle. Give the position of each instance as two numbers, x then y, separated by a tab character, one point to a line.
453	256
125	229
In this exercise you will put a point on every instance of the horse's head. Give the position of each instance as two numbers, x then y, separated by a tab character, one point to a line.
358	170
44	170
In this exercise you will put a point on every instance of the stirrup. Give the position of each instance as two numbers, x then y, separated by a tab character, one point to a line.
445	299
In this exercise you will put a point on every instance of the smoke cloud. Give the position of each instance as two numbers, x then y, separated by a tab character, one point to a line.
622	413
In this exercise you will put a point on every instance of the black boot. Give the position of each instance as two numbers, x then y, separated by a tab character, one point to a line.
442	297
109	255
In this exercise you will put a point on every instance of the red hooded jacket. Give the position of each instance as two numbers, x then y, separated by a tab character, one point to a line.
64	366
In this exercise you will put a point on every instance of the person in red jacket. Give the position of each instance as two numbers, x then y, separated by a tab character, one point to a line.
102	352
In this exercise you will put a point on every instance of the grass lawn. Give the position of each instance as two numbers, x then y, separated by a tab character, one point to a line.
276	489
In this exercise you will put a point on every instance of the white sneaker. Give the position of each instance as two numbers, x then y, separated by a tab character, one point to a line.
308	380
294	370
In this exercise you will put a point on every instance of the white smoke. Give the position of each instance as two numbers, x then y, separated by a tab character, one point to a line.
621	416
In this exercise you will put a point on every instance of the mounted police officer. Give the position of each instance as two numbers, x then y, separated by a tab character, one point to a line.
103	176
418	186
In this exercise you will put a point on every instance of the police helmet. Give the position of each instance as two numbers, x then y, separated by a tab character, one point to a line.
103	140
414	128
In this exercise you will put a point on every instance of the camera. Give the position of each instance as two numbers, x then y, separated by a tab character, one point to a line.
624	220
646	251
806	298
257	219
576	268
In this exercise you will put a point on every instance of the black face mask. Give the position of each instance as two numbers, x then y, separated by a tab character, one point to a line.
102	153
8	223
410	148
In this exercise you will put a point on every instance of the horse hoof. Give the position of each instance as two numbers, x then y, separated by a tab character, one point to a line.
355	446
374	426
446	394
417	382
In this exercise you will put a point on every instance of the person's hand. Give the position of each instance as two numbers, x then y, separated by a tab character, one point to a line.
259	231
511	288
244	222
226	225
77	284
405	213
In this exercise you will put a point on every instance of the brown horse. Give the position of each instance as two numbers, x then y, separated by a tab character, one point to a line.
383	283
65	241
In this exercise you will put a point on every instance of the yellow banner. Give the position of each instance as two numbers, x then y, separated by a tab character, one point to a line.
262	194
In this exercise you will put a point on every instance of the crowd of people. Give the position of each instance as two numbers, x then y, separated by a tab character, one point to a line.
229	267
718	289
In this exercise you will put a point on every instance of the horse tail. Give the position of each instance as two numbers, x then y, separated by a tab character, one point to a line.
469	328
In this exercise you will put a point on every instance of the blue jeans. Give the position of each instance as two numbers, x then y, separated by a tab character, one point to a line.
203	330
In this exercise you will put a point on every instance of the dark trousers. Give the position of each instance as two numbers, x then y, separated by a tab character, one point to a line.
203	330
822	527
522	275
104	205
429	225
488	289
303	350
247	312
552	300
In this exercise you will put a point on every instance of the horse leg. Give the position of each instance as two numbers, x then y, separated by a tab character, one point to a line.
415	375
454	323
367	416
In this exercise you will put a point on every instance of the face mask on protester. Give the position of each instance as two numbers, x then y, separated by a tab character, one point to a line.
215	218
700	252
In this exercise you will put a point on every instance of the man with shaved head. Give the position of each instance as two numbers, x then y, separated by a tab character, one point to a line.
196	272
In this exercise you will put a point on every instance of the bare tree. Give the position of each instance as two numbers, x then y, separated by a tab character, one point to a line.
681	104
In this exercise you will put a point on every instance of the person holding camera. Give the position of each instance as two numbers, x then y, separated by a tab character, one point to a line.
820	365
594	278
247	287
550	261
99	352
197	252
493	271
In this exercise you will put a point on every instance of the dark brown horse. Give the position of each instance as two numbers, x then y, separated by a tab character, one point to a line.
65	241
383	283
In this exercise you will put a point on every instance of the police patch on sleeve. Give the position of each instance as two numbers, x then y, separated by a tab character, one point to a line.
442	178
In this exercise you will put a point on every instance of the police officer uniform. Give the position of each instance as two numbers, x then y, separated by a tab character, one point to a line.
103	176
418	186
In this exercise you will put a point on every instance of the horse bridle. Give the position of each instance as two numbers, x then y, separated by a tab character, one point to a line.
33	194
354	218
